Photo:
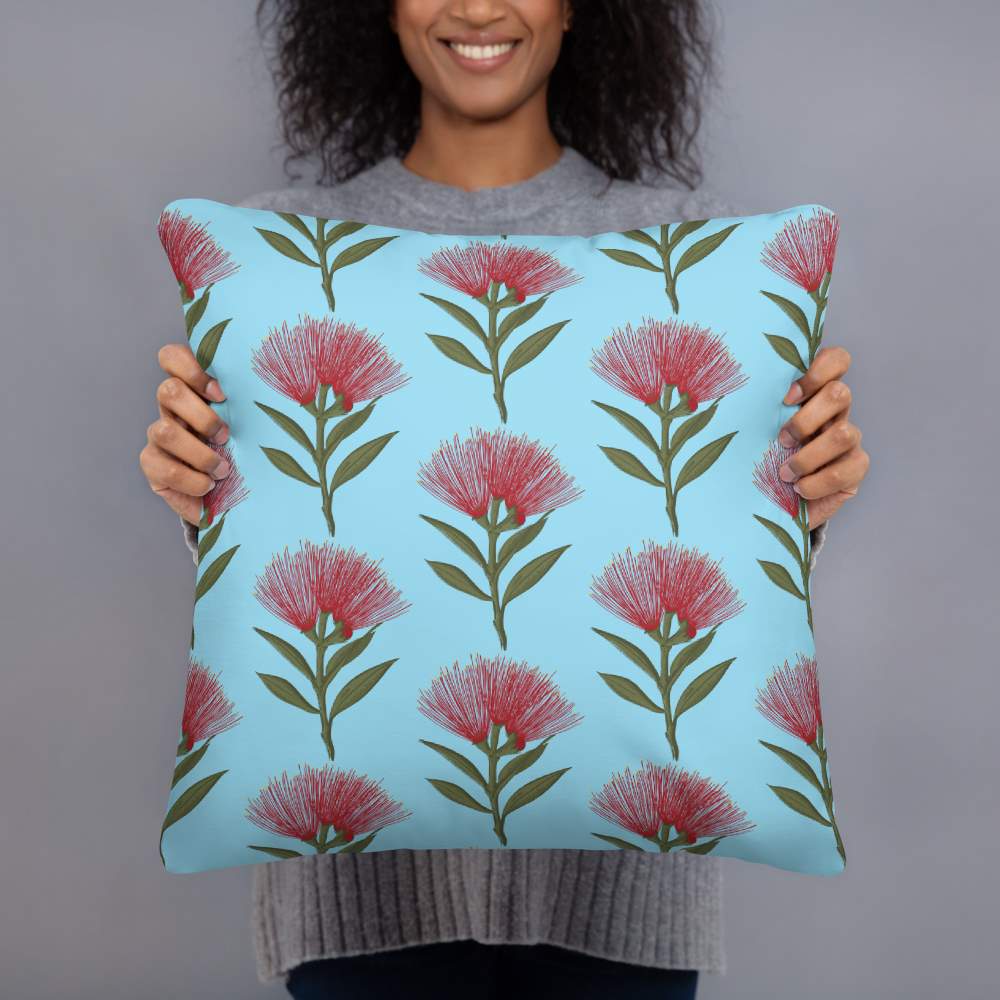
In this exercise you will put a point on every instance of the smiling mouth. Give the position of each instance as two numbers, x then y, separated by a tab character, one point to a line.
483	55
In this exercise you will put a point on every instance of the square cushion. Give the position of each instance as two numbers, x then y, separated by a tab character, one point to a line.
504	560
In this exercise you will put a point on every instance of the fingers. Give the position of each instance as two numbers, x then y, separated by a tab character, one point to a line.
165	472
843	475
180	503
830	444
830	364
821	510
830	403
178	400
178	360
176	441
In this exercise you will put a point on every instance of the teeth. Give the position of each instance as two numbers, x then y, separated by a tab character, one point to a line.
481	51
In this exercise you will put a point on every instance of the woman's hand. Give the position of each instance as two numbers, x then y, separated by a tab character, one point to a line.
180	466
830	463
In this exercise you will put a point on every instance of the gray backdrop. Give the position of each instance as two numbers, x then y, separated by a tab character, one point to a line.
881	111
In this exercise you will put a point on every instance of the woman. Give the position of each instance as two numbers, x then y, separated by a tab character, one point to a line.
478	116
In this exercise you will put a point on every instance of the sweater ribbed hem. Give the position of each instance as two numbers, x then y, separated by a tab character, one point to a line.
650	910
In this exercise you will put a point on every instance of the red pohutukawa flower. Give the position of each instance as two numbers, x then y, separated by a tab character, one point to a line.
694	360
804	249
790	699
195	258
299	805
226	493
467	474
502	692
207	710
353	588
770	483
524	271
345	583
297	360
696	807
641	587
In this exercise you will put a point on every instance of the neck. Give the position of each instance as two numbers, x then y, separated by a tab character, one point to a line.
468	154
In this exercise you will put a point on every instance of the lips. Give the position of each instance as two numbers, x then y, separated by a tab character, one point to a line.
480	52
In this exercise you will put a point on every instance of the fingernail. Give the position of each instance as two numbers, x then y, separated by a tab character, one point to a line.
797	488
221	470
794	393
214	391
221	436
785	439
786	474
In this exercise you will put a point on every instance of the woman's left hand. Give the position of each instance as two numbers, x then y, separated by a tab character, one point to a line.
830	464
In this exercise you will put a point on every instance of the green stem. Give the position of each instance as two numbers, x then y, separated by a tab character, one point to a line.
493	348
324	267
817	327
820	750
493	571
321	459
666	684
493	754
326	722
669	281
803	520
666	458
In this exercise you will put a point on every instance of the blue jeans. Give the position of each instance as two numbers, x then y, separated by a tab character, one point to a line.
467	970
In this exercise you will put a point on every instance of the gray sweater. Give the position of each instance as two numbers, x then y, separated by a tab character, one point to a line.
654	910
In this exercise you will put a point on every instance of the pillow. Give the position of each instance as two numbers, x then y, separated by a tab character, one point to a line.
505	559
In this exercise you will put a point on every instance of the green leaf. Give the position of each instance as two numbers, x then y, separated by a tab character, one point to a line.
339	231
622	845
638	236
276	852
213	571
518	317
780	576
457	794
189	800
457	351
783	536
791	310
628	463
520	762
195	311
705	848
632	652
296	223
457	760
531	347
631	259
346	654
630	691
787	351
359	460
459	538
209	344
288	651
531	791
531	573
690	426
701	687
794	761
358	252
357	846
207	539
797	801
700	250
287	692
285	247
345	427
632	424
702	460
284	462
457	578
357	687
188	763
289	426
456	312
519	540
690	652
685	229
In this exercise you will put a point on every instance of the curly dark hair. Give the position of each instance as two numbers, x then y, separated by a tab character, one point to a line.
626	91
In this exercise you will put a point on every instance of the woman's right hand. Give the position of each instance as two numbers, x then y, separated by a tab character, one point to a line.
178	463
